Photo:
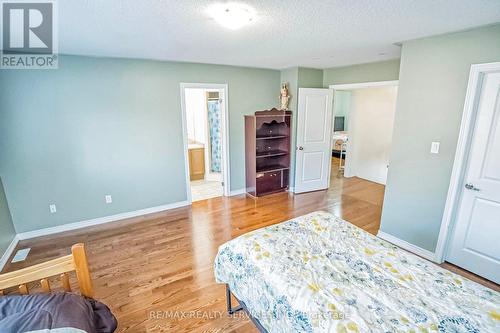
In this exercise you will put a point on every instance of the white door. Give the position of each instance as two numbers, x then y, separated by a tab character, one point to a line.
314	130
475	243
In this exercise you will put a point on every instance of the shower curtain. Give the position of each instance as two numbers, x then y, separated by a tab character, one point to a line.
214	125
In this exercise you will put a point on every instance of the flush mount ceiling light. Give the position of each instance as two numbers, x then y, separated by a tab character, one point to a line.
232	15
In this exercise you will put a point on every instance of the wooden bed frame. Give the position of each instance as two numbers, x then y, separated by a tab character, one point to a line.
76	261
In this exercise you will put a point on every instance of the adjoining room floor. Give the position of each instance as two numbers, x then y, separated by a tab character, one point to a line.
205	189
164	261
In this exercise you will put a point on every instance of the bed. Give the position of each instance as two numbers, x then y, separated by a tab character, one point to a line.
318	273
338	138
49	311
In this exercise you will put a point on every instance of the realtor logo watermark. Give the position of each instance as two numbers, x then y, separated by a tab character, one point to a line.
29	35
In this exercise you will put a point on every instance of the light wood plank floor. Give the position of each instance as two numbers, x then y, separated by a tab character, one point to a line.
163	261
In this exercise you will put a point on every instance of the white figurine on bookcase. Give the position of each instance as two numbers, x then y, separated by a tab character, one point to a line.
284	96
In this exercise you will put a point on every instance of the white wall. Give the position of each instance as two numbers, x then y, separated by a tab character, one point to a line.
370	132
196	115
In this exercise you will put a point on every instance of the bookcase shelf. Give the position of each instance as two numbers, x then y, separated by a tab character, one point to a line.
270	153
269	168
267	151
266	137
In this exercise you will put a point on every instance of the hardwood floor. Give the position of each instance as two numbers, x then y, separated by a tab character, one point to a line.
163	262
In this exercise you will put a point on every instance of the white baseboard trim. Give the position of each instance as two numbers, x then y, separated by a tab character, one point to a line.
97	221
8	252
238	192
408	246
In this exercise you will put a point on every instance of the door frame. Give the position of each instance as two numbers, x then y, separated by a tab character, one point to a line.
460	163
226	171
353	86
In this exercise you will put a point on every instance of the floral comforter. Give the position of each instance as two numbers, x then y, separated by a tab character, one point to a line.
318	273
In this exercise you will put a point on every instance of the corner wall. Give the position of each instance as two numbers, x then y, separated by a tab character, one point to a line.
298	77
7	232
432	88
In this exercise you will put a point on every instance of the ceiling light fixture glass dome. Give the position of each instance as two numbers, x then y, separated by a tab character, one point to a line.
232	15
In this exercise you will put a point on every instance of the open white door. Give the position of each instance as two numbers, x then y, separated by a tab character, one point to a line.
314	130
475	242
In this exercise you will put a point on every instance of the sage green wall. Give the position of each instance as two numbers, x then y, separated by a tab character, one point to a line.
299	77
310	78
291	76
371	72
432	87
99	126
7	231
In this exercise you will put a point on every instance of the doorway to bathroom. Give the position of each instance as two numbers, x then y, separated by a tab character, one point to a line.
204	114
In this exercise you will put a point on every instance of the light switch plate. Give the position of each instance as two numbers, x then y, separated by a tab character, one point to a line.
52	208
108	199
435	148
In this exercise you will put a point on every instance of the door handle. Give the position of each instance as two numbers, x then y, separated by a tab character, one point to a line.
300	148
470	186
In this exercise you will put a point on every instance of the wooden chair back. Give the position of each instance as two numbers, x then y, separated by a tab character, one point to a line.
76	261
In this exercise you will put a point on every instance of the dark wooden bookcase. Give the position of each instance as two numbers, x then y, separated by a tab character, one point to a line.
267	151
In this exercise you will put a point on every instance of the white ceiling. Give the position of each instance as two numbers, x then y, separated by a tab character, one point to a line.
310	33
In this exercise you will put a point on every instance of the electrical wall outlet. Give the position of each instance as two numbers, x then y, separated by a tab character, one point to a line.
109	199
52	208
21	255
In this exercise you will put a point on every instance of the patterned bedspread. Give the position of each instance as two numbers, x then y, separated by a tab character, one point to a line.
318	273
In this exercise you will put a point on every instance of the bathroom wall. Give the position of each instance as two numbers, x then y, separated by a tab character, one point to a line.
196	117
